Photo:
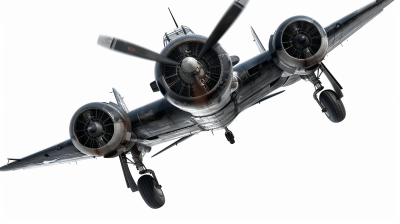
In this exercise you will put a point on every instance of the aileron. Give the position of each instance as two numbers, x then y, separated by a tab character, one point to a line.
342	29
64	152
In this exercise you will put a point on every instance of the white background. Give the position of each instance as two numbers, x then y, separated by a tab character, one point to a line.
290	164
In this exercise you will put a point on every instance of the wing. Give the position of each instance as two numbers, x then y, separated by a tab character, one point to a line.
342	29
64	152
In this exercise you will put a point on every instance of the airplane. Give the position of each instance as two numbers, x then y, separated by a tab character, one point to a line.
204	89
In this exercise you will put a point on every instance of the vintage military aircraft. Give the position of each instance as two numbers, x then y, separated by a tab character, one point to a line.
204	89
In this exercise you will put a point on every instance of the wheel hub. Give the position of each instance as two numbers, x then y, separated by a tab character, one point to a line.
326	110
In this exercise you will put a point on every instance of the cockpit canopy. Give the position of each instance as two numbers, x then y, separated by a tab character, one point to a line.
175	33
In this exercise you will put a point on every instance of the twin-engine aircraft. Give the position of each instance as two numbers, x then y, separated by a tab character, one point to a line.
204	89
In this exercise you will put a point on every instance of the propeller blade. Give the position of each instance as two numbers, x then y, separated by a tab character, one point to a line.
223	25
122	46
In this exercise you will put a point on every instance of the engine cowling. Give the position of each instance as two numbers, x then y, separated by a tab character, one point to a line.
198	86
299	45
101	129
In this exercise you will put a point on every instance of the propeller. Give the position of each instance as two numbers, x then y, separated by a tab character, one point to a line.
223	25
135	50
125	47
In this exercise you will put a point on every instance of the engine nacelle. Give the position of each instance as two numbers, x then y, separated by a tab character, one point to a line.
198	86
101	129
299	45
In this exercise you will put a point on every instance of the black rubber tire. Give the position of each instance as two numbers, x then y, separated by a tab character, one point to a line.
335	108
149	193
230	137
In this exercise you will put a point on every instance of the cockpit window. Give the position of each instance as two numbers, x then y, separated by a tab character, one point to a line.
180	31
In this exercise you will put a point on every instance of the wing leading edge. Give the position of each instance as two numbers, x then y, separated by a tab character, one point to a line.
64	152
342	29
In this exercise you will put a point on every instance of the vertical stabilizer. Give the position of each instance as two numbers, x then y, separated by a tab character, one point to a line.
258	42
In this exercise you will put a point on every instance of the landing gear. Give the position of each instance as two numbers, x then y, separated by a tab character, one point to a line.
151	191
335	110
329	101
229	136
148	185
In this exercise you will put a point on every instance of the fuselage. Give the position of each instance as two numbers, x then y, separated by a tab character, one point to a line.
160	121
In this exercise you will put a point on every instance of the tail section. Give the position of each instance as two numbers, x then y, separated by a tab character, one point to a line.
258	42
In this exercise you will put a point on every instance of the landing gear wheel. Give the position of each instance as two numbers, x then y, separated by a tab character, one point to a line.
335	110
153	197
229	136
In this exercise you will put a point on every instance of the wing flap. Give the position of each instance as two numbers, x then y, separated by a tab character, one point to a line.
64	152
342	29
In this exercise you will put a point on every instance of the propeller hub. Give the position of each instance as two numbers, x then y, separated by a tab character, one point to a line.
190	65
94	129
301	41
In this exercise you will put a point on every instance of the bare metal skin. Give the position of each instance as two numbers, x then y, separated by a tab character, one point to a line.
204	89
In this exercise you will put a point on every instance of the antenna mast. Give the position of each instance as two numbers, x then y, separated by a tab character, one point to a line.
173	17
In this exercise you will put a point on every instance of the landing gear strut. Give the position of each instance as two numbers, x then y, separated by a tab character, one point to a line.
148	185
229	136
329	101
318	88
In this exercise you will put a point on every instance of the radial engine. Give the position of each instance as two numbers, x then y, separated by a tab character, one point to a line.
200	86
101	129
299	45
